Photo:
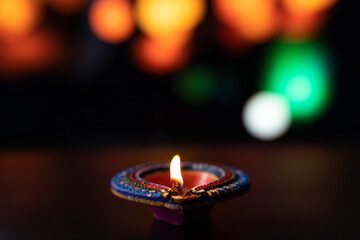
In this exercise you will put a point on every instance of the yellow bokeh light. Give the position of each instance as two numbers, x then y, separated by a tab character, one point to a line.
111	20
18	18
159	18
255	20
301	7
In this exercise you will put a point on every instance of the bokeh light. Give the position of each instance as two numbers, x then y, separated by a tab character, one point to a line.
68	6
306	7
161	55
299	88
196	86
267	116
159	18
302	27
111	20
255	20
300	71
19	18
33	53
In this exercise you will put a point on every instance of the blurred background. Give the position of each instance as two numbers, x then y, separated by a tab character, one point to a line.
91	87
160	71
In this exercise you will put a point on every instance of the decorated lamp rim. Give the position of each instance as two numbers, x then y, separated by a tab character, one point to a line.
131	185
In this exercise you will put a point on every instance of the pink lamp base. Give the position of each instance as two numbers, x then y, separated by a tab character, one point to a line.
180	218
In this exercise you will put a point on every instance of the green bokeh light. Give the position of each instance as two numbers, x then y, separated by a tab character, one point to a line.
301	72
195	86
299	88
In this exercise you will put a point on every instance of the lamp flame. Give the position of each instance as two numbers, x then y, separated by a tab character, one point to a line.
175	171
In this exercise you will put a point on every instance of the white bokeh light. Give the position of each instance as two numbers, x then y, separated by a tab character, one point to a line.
267	116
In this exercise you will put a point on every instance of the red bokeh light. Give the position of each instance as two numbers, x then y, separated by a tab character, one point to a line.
33	53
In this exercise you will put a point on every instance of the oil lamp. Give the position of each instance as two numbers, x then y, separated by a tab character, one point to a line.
180	193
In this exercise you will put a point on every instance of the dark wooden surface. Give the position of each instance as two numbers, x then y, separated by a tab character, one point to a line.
298	192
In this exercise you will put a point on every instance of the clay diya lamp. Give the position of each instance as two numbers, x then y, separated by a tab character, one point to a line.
180	195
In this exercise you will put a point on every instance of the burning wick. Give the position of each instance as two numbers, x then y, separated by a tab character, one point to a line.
176	179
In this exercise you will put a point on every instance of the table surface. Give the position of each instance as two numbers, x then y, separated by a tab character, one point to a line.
298	191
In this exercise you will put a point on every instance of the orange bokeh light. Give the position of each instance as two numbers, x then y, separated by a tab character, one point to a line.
302	27
159	18
111	20
255	20
35	52
68	6
19	18
301	7
161	55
